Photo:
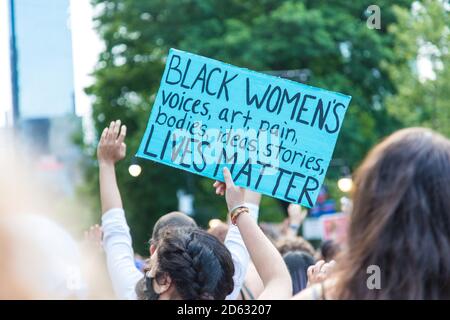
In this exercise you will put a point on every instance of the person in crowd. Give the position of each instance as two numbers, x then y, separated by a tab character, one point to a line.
296	216
285	239
271	230
289	227
288	244
140	262
40	260
94	255
329	250
189	264
399	232
174	219
219	231
274	275
126	278
318	273
94	237
39	256
298	263
252	286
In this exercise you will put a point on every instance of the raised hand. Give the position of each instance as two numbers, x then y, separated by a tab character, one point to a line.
112	147
320	271
234	195
94	236
296	214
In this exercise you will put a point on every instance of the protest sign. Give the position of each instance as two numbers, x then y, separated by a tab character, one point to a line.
335	226
276	136
332	226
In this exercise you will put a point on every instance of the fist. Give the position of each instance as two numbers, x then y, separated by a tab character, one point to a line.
112	147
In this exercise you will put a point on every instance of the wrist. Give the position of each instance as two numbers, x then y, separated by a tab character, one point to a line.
234	206
295	223
237	212
106	164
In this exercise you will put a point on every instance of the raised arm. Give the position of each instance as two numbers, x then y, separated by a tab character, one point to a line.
296	217
266	258
116	233
236	245
111	149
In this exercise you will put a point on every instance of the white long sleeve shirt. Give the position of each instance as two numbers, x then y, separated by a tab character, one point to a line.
120	257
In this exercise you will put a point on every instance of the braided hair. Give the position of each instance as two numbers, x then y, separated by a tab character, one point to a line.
199	265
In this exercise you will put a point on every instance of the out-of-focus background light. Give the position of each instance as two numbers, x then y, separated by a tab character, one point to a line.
135	170
345	184
213	223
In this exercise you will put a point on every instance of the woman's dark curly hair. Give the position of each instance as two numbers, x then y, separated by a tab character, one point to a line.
199	265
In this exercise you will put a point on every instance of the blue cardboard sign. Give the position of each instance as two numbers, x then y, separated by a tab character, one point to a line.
276	136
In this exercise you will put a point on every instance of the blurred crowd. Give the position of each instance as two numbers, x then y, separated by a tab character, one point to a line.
397	245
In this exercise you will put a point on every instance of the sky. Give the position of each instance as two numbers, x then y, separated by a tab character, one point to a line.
86	47
5	74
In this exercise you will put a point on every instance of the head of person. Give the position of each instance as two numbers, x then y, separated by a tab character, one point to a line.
188	264
288	244
271	231
399	233
329	250
298	263
174	219
219	231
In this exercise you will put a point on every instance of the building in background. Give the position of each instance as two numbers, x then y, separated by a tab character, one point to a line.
43	103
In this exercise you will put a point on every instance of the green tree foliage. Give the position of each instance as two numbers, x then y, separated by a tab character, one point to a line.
422	37
329	38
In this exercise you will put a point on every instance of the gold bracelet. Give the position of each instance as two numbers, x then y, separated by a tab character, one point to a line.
236	212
